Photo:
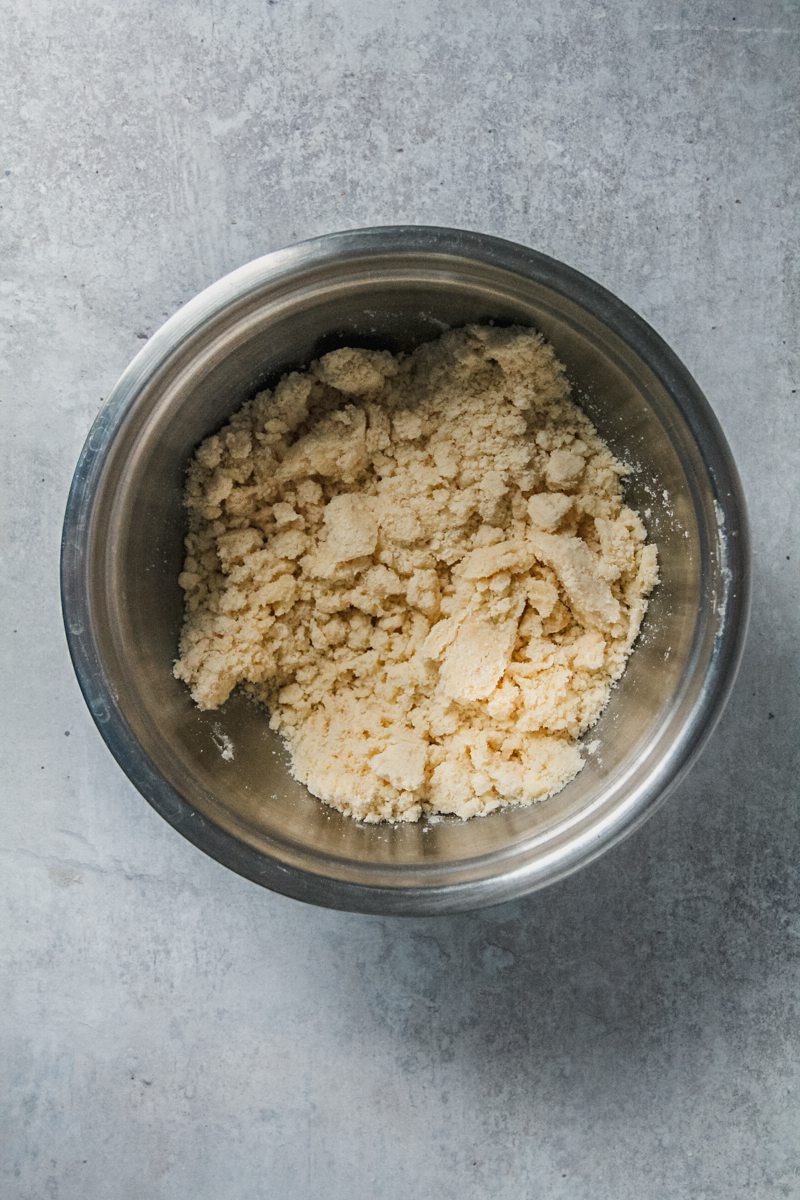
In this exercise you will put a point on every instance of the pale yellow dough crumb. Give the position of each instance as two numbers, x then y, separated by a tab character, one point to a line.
423	566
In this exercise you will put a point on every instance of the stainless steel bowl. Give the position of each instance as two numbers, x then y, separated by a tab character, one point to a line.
122	550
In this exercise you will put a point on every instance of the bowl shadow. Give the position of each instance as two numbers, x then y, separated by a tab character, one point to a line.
688	922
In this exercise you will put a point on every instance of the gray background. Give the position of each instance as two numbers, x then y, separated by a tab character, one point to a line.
169	1030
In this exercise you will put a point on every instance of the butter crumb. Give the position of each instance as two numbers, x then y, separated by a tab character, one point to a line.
423	566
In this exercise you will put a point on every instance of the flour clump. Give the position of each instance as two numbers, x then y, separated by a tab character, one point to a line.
423	566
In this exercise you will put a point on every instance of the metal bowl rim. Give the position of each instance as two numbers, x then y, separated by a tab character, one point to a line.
204	309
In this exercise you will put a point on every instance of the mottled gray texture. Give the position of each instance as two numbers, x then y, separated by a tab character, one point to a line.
169	1030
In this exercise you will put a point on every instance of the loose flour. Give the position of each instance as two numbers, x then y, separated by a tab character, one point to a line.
423	566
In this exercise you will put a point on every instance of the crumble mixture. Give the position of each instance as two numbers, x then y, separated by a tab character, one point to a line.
423	566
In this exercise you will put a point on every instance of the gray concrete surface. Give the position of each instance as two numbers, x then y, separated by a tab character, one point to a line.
169	1030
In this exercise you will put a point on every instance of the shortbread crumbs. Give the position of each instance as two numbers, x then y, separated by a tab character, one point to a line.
423	566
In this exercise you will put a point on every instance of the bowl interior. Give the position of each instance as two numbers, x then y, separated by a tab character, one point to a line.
227	765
